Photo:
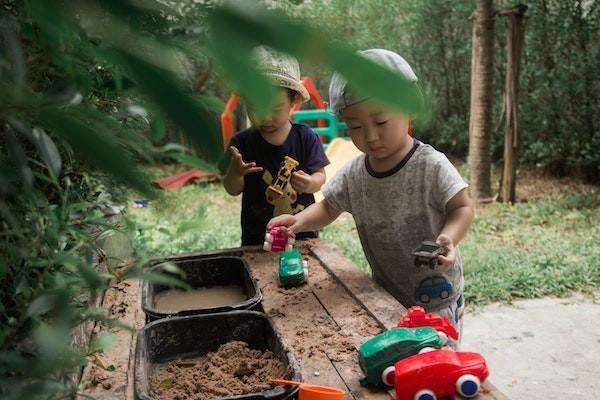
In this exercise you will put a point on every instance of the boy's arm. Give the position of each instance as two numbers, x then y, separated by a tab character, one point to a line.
460	214
233	183
312	218
308	183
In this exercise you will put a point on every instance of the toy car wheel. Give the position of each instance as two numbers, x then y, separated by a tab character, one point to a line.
267	246
424	298
443	337
387	376
468	385
426	350
425	394
444	294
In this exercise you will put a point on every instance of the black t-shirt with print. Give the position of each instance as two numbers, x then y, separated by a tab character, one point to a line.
304	146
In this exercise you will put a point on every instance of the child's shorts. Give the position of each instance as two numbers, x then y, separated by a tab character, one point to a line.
454	313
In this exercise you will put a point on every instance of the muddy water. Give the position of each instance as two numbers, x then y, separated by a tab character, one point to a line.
215	296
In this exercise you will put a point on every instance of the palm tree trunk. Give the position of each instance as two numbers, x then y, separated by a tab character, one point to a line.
480	123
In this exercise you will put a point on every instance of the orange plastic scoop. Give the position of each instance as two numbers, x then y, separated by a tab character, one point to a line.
313	392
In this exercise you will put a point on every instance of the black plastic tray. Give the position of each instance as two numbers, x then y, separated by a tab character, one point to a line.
193	336
206	272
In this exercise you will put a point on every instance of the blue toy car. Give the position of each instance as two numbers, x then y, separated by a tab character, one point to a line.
434	287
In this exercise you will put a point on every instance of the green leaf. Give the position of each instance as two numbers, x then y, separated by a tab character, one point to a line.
211	103
159	278
47	150
102	341
40	306
158	128
235	60
92	278
167	383
168	94
170	267
93	142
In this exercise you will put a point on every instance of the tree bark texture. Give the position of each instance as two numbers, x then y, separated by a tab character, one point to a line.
514	46
480	122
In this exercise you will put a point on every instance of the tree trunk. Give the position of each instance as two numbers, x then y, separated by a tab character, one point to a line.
514	47
480	122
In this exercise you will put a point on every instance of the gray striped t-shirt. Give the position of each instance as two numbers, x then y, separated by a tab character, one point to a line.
394	213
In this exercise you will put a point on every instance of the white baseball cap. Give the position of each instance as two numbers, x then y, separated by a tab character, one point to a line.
340	96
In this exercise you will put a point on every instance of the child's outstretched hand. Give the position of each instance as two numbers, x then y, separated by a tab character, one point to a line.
285	220
446	260
302	182
238	166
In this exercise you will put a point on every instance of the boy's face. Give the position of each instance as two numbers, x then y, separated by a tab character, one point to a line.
379	133
279	116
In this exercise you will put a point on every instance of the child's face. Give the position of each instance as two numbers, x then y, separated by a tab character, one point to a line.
379	133
279	116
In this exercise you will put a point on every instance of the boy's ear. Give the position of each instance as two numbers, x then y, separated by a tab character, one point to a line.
297	99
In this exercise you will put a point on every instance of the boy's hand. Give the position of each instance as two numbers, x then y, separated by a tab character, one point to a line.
290	222
238	166
302	182
446	261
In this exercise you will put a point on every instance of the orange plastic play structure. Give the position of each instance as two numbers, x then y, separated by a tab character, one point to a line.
228	118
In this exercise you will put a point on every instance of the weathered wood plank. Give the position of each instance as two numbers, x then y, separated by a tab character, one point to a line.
378	302
354	322
313	343
99	378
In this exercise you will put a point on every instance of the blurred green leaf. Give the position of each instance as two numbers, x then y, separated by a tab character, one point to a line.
158	278
158	128
101	342
41	305
195	121
47	150
98	149
211	103
92	278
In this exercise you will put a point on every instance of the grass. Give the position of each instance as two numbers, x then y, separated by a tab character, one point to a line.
547	246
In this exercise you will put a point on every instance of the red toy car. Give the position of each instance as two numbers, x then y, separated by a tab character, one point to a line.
277	239
439	373
416	317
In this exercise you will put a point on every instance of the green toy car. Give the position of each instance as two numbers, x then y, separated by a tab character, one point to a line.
378	355
293	270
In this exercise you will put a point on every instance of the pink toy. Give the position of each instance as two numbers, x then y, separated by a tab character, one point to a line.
439	373
416	317
277	239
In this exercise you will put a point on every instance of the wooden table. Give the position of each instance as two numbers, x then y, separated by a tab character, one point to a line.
323	323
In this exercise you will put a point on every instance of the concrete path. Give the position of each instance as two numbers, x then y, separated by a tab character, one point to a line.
539	349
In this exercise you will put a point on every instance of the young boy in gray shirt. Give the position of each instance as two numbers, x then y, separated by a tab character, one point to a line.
400	193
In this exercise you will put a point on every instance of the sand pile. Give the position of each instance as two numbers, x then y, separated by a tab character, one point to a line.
233	370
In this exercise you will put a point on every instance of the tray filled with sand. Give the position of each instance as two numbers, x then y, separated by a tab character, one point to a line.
213	356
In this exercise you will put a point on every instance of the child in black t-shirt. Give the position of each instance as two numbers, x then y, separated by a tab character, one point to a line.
258	153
